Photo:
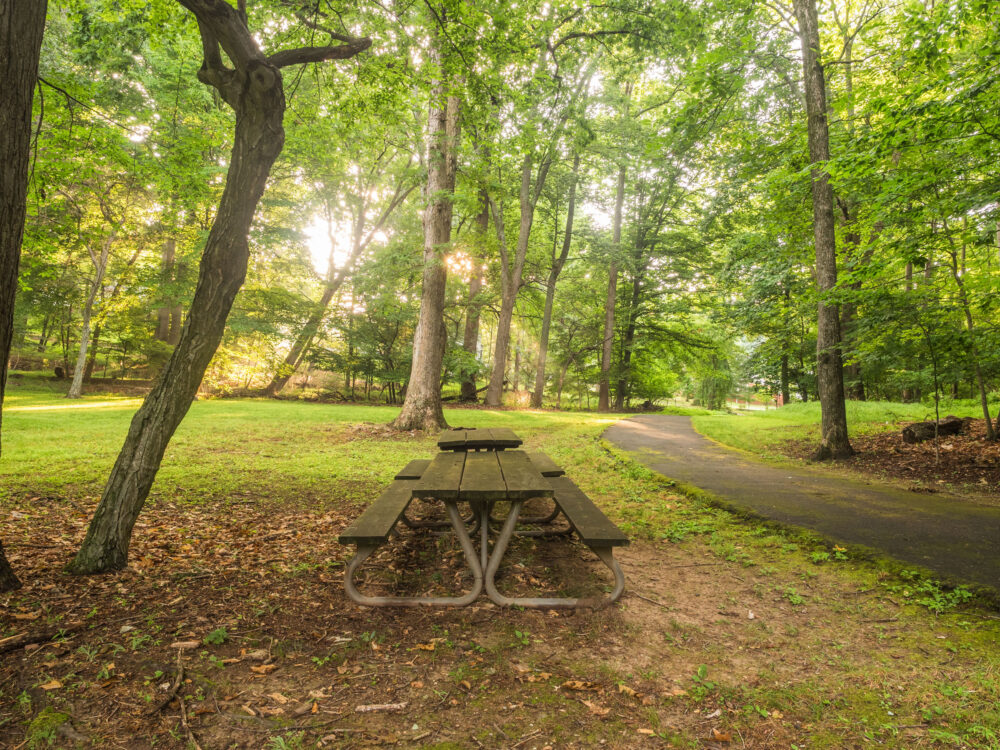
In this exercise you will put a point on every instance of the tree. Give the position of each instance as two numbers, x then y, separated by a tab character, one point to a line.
829	367
21	27
550	286
253	88
422	408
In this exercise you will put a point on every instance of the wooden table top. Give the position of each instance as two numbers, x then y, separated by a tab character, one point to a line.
481	477
495	438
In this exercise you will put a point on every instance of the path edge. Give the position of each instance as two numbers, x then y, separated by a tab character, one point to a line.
983	595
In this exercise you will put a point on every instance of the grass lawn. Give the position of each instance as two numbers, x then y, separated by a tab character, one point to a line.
764	432
730	634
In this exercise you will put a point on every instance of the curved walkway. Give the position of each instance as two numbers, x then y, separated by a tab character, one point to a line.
955	538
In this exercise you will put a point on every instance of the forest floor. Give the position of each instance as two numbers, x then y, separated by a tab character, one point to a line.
230	627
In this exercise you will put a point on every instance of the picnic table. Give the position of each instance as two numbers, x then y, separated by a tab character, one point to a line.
482	468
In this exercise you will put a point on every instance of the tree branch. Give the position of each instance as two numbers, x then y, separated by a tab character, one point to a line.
318	54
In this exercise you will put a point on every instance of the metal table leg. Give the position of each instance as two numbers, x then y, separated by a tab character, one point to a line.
560	602
365	550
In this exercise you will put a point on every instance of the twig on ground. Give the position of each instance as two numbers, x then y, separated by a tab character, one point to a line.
647	599
184	721
172	693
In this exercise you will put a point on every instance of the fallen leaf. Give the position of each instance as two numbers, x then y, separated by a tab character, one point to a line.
647	732
777	715
264	668
626	690
27	615
580	685
596	709
52	685
426	646
185	645
278	697
416	684
718	736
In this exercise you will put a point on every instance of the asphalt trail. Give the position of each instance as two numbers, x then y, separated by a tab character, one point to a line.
958	539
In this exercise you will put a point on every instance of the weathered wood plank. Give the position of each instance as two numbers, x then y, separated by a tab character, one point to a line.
594	528
414	469
503	437
452	440
377	521
545	465
495	438
482	479
521	477
442	478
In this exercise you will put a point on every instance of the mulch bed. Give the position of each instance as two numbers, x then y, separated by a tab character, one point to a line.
968	459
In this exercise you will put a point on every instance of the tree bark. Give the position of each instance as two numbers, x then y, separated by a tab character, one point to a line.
829	366
607	344
100	266
422	408
550	288
22	23
254	90
470	339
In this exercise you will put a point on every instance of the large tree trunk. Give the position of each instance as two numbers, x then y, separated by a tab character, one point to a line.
607	344
470	339
21	25
550	288
100	266
422	408
254	90
829	367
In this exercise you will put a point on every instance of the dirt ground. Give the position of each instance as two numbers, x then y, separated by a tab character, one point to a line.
967	461
230	629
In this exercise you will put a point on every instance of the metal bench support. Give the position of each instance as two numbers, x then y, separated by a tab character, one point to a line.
560	602
366	549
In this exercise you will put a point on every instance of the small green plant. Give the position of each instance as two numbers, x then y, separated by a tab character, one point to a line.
794	597
217	637
702	685
931	594
523	637
292	741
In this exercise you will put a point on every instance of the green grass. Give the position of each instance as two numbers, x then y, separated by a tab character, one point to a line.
318	454
763	432
278	449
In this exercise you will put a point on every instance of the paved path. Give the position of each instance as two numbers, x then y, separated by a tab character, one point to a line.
956	538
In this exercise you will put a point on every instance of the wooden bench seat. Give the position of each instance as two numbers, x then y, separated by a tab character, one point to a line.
375	524
413	470
545	465
589	522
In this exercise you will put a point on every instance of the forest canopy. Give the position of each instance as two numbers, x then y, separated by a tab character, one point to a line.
631	217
